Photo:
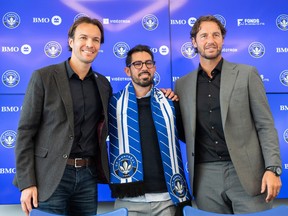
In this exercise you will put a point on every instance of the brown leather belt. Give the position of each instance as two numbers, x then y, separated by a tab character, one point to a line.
79	162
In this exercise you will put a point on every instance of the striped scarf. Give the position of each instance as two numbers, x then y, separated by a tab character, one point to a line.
125	147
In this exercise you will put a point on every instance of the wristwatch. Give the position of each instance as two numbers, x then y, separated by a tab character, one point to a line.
275	169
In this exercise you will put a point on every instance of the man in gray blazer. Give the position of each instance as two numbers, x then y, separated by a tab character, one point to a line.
61	151
232	144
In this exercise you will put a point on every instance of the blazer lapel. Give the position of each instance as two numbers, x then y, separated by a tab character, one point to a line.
228	78
64	91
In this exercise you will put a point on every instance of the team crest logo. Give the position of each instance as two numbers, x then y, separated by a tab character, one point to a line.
282	22
284	77
285	135
8	139
256	50
10	78
80	15
121	49
11	20
52	49
178	185
150	22
156	78
221	19
188	50
125	166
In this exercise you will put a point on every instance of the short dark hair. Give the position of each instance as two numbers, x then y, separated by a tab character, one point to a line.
138	48
71	32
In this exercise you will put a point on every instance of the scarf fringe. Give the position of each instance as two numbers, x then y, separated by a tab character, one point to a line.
133	189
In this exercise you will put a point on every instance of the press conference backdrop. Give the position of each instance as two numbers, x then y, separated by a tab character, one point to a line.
34	34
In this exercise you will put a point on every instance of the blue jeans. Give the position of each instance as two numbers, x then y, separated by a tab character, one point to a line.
75	195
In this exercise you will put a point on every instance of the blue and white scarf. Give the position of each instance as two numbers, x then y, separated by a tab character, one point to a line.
125	147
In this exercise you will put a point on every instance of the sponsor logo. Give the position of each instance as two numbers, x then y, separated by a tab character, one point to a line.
283	108
191	21
25	49
52	49
256	50
10	78
263	78
107	21
283	77
150	22
8	139
164	50
7	171
281	49
121	49
11	20
249	22
188	50
282	22
11	109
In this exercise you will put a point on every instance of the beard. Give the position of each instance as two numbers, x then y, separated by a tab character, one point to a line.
210	56
144	82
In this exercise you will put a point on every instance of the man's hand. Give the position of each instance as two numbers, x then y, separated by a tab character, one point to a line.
272	184
29	198
170	94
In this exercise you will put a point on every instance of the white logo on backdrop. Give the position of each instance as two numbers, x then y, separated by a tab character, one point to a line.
10	78
26	49
11	20
150	22
121	49
8	139
56	20
53	49
256	50
188	50
283	77
282	22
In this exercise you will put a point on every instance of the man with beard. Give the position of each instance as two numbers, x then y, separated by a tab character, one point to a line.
232	144
146	170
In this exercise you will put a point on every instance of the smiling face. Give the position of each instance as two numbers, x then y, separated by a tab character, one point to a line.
209	41
86	43
142	77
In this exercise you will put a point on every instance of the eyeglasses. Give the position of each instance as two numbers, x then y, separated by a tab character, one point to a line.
139	64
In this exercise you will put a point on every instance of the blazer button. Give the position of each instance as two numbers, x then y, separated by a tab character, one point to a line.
71	137
65	156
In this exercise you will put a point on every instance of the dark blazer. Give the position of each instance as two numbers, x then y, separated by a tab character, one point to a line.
46	130
247	121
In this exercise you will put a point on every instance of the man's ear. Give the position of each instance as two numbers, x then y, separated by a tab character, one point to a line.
127	71
194	44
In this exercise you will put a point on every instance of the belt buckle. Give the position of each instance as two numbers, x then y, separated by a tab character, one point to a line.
75	162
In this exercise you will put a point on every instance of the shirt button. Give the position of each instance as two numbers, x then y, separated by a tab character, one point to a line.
65	156
209	95
210	111
216	142
71	137
212	127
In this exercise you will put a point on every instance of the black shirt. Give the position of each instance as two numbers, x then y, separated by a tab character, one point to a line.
87	108
210	141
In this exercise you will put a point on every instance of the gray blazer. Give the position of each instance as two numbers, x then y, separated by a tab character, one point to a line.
247	121
46	131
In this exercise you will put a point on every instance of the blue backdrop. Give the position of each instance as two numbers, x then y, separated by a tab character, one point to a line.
34	34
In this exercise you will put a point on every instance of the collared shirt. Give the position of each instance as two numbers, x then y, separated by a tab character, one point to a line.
210	141
87	108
